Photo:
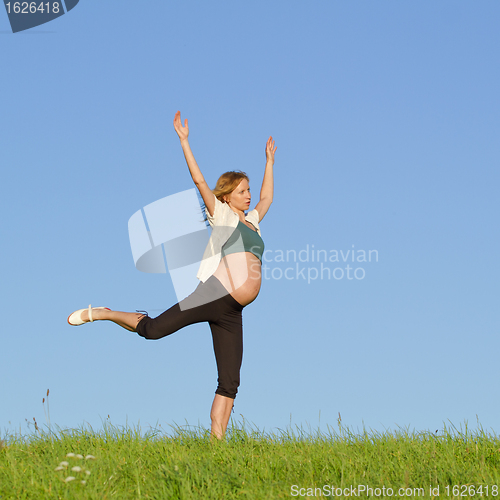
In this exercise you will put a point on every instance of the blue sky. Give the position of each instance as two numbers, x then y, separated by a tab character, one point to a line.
386	118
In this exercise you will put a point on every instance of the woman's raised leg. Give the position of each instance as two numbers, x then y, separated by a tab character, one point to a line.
126	320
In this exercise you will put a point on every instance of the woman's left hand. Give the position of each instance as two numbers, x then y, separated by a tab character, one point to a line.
270	150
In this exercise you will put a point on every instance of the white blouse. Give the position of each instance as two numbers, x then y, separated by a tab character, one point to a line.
223	223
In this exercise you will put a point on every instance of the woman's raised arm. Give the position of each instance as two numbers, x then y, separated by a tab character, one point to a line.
194	170
267	189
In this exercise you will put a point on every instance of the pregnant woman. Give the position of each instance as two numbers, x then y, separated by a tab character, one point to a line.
229	274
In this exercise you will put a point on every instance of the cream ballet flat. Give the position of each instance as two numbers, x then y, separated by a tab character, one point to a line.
75	319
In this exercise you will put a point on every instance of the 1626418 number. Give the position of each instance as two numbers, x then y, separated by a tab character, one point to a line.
470	490
33	7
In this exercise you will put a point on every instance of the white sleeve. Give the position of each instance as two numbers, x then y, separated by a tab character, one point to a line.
217	210
253	217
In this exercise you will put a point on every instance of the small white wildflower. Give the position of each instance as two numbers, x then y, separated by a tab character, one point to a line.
84	482
70	455
63	464
59	468
175	467
87	472
90	457
69	478
76	469
79	456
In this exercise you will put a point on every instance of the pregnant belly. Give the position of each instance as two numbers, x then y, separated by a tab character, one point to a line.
240	274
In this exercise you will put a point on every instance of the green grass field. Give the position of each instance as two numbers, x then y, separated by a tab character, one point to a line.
127	463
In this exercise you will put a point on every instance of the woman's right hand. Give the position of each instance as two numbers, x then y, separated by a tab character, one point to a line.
182	131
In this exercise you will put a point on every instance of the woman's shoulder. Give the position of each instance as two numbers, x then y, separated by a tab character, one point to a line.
253	218
252	215
222	213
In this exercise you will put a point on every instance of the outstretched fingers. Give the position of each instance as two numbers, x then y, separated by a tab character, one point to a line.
270	146
182	130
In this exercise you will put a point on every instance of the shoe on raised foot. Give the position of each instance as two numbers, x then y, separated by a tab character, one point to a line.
75	319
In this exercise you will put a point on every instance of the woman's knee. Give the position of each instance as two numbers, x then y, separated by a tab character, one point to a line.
148	328
228	386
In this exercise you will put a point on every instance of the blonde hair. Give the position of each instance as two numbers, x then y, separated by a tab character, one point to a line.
228	182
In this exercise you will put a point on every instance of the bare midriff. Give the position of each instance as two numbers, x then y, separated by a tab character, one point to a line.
240	274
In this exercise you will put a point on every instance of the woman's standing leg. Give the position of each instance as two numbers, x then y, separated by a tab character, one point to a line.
227	335
220	414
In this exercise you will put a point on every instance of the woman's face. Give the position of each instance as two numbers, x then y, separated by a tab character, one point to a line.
240	198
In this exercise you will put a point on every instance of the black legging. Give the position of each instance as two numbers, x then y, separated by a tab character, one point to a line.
224	317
